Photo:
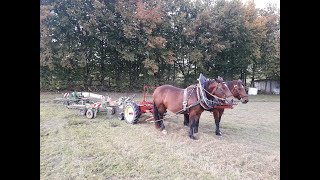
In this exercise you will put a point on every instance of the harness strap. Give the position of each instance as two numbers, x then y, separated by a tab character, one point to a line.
204	105
185	101
192	105
202	95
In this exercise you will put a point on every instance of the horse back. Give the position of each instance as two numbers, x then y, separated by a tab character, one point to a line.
169	96
167	89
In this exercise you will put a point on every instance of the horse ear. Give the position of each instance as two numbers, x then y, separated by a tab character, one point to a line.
220	78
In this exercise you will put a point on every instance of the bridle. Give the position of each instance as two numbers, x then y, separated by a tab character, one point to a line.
215	89
235	87
206	103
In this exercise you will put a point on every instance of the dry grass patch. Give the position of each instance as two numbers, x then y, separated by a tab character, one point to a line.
74	147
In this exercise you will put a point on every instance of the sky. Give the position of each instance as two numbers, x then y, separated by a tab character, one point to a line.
263	3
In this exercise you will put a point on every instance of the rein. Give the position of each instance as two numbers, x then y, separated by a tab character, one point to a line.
215	95
206	103
148	120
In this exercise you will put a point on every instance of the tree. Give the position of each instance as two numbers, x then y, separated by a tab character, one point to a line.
128	43
271	45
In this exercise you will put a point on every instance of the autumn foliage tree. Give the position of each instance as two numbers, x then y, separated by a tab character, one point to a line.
122	45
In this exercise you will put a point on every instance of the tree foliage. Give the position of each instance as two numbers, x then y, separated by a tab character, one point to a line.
123	44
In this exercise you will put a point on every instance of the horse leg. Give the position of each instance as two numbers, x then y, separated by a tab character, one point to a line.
220	115
158	116
186	120
162	127
192	128
197	124
217	117
157	122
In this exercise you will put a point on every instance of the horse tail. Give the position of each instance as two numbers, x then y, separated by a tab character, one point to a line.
155	112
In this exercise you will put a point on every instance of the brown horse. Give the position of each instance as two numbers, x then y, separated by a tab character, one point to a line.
189	101
238	90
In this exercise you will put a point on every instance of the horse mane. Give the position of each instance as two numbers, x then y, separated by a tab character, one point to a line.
206	83
230	84
241	82
205	86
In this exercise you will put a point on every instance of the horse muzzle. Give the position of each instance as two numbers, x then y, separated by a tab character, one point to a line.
230	100
244	100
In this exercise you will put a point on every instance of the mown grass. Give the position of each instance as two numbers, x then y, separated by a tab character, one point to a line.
74	147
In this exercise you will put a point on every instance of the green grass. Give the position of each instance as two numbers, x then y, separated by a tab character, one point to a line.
265	98
74	147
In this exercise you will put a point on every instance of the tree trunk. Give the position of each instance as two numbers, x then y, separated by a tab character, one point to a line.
241	74
253	75
102	68
245	79
88	79
130	73
174	71
85	77
162	71
137	72
270	86
117	74
195	69
265	86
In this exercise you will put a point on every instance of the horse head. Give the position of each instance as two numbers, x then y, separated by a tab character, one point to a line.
220	89
239	91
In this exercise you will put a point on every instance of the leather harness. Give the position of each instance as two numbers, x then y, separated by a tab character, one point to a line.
201	96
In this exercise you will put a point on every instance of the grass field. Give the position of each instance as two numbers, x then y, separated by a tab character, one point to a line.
74	147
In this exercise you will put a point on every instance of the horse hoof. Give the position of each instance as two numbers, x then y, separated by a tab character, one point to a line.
218	134
192	137
164	132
